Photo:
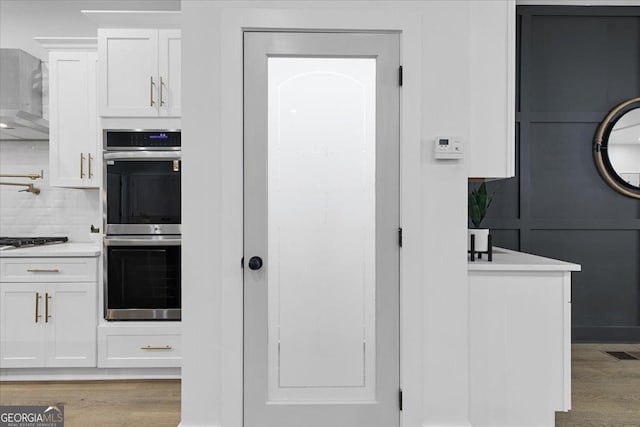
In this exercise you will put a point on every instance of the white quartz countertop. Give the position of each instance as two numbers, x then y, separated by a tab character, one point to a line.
508	260
54	250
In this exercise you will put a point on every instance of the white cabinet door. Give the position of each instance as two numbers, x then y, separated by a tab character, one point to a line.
170	66
73	114
22	328
129	83
70	319
129	345
492	84
519	319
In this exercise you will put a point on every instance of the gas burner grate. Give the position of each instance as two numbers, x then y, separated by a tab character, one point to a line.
20	242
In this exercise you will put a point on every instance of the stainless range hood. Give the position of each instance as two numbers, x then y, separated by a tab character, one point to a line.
21	96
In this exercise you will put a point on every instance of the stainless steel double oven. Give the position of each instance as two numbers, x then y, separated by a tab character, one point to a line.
142	215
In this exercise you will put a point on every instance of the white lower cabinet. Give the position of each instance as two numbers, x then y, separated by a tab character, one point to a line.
48	320
22	332
47	325
124	346
520	347
71	327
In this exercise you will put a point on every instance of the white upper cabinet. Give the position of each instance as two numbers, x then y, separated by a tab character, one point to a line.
139	72
73	132
170	67
492	84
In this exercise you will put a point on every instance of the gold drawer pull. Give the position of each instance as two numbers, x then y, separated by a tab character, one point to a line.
160	347
151	101
161	97
43	270
47	316
90	157
38	315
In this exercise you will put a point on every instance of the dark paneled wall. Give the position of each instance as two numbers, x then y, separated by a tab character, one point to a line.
574	65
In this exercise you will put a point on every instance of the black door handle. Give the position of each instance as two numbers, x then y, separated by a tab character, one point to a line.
255	263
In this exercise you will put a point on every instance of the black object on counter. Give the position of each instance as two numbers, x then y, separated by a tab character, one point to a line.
473	251
20	242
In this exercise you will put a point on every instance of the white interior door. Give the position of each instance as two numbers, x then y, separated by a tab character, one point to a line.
321	203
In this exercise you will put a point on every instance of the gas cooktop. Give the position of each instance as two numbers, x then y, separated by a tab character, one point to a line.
20	242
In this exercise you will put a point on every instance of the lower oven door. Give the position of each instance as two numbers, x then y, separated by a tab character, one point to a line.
142	278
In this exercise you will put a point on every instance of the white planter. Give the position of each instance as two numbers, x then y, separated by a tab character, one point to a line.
481	240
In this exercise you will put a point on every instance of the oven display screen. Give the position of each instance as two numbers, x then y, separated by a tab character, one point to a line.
128	139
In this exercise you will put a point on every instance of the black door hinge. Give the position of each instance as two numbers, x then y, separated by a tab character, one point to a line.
400	76
400	399
400	236
242	262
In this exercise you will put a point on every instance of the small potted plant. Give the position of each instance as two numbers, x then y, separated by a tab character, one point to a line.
479	202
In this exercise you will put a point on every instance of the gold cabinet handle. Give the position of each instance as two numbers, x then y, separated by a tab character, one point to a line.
43	270
81	165
38	306
47	297
89	157
151	101
161	97
160	347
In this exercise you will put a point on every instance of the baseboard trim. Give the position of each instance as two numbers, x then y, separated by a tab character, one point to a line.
448	425
604	334
88	374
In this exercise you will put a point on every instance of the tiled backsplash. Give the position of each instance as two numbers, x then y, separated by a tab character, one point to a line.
55	211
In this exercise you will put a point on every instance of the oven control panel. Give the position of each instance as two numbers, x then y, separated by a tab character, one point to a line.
143	139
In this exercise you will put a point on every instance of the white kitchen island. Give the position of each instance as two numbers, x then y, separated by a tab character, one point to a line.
520	339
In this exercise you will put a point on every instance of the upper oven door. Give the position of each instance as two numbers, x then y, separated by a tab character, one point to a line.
142	192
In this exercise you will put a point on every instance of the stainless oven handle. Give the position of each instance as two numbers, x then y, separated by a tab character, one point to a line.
128	241
143	155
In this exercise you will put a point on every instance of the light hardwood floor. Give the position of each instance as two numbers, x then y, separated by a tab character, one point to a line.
103	403
606	392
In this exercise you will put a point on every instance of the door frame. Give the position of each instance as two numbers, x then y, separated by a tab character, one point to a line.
227	345
371	402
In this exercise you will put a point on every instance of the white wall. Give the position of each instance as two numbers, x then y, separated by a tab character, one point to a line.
212	280
445	110
22	20
55	211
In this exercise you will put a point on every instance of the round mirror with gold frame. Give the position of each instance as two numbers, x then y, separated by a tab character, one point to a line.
617	148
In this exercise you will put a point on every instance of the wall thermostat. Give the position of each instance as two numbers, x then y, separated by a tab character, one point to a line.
449	147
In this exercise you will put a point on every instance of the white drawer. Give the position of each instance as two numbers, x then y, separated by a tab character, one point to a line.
48	270
139	349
